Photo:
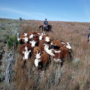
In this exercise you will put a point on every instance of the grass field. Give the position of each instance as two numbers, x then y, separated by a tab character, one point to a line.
74	75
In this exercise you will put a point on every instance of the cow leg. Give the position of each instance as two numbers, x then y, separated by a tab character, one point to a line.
24	64
61	64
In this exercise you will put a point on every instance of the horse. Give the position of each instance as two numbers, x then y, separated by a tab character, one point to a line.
47	28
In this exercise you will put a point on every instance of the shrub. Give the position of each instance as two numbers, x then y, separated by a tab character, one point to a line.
12	40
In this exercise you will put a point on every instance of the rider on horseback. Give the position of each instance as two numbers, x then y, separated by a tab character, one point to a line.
45	23
88	35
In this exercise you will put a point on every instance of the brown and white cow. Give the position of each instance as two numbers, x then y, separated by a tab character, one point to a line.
43	60
25	51
37	52
23	38
61	54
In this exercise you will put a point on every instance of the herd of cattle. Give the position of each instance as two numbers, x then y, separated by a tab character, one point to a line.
43	48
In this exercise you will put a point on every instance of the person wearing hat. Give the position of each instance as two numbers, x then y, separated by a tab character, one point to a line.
88	35
45	23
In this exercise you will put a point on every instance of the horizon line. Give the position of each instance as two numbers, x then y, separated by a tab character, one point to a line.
43	20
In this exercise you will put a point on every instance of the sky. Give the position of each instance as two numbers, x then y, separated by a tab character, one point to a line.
53	10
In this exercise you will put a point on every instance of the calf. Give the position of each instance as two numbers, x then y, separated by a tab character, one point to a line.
60	55
42	61
37	52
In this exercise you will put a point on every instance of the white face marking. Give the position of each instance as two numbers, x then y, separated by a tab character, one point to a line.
25	34
68	45
38	33
51	43
26	48
49	51
33	43
38	56
40	37
47	39
31	36
36	62
26	39
57	60
57	51
26	54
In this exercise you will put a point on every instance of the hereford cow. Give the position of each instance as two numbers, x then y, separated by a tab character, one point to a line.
48	39
37	52
25	51
23	38
61	54
48	50
41	45
44	60
57	44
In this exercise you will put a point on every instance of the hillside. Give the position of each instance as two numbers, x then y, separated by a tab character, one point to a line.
74	75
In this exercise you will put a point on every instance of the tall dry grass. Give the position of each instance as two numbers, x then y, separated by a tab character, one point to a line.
71	76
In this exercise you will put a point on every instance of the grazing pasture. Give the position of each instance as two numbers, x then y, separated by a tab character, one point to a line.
73	75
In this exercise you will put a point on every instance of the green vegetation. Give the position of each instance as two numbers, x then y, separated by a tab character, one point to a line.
12	40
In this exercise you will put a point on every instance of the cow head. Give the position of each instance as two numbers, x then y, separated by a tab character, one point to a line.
33	43
47	39
25	34
68	45
36	62
25	39
31	36
40	37
26	48
38	55
26	54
